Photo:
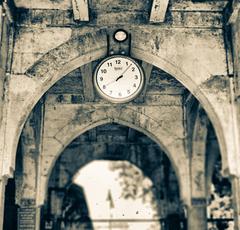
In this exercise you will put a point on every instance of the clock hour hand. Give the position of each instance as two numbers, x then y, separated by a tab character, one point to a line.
119	77
114	80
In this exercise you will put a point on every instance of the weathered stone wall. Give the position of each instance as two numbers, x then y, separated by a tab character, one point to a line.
182	13
6	33
32	43
234	22
28	55
195	57
47	40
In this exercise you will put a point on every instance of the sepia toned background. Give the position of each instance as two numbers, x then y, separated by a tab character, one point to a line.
169	159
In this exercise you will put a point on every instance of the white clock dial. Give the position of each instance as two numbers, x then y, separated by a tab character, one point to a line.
118	79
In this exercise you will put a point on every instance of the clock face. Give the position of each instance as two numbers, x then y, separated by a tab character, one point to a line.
118	79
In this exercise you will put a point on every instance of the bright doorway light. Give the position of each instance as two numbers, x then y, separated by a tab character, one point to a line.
118	195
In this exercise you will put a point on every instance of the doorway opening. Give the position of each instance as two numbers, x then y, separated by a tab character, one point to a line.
113	177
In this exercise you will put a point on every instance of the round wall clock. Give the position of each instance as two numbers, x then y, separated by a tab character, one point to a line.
118	79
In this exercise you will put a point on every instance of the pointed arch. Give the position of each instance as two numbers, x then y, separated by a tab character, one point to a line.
55	145
80	50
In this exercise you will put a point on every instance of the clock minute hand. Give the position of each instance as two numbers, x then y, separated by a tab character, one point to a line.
123	72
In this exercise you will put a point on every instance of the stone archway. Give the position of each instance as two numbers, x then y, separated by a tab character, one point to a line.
89	117
148	159
49	69
26	90
81	49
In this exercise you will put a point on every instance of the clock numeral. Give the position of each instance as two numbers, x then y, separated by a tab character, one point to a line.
133	69
119	94
136	77
134	85
103	71
104	86
128	91
101	78
118	62
126	62
109	64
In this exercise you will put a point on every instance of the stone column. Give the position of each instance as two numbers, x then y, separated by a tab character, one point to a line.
3	182
236	201
38	218
197	214
197	217
29	211
197	210
234	22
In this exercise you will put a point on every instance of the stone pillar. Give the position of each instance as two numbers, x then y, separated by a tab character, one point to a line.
236	201
3	182
234	22
4	42
197	210
38	218
197	214
29	211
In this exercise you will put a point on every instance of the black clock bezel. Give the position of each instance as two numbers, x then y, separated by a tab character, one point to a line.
113	99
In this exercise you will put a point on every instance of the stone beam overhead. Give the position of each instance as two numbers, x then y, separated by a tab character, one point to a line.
158	11
80	10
